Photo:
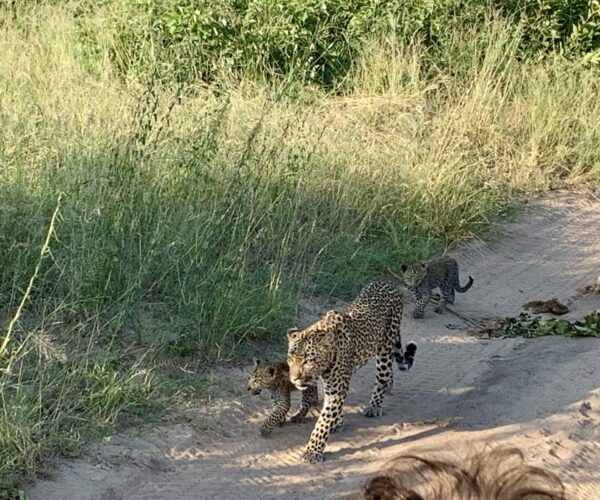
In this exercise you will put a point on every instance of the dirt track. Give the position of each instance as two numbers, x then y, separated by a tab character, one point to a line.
462	392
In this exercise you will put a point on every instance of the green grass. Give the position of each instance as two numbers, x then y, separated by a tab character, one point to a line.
193	218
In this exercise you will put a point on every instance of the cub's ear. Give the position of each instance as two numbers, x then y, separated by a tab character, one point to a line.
292	333
423	265
256	362
403	268
272	371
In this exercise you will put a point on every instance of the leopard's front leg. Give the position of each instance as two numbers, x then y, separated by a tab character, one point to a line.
383	383
281	406
310	397
447	297
330	418
422	297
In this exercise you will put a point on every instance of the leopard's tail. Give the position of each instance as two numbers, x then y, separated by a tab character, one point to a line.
405	359
463	289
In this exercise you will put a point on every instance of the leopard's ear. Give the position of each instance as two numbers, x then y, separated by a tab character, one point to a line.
285	367
272	371
293	332
256	362
403	268
423	265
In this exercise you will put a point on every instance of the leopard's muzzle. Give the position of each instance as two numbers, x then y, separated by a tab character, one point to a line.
302	383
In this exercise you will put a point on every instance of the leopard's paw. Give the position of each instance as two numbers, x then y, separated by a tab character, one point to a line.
311	457
373	411
265	430
297	418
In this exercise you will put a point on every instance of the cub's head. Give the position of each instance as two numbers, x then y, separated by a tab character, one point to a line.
266	376
312	351
413	274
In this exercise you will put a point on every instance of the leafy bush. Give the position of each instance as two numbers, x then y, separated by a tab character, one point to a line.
535	326
319	40
571	27
205	39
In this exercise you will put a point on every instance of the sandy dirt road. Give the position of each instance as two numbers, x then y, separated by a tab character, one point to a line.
542	395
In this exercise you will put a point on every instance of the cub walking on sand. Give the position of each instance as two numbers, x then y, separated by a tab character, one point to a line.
275	377
422	278
334	347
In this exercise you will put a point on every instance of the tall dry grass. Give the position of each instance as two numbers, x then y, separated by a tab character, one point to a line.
193	218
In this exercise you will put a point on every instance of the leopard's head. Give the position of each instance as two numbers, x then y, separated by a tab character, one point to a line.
413	274
312	351
265	376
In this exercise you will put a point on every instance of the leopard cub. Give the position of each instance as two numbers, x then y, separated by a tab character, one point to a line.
422	278
275	377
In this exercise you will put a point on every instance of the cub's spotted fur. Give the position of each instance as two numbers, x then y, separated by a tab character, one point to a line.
275	377
337	345
422	278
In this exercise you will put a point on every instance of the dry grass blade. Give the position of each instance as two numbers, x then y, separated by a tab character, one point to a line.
45	248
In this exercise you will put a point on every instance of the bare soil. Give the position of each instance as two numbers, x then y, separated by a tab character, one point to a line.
463	393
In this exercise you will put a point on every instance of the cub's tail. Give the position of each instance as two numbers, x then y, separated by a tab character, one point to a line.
463	289
405	359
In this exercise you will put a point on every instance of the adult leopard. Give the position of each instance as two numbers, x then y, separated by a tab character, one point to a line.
337	345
